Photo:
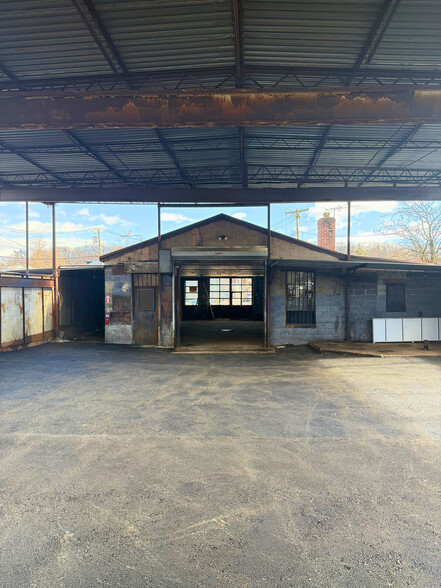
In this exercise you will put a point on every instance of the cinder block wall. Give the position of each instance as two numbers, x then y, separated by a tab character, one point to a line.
364	304
330	312
118	287
368	299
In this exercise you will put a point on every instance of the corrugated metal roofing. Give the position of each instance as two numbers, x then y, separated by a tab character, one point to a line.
152	35
413	37
47	39
316	32
211	156
191	44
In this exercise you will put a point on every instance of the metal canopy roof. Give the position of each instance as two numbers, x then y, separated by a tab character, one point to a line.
216	45
275	157
355	264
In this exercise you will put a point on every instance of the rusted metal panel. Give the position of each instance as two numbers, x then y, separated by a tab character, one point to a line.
21	282
11	318
199	108
220	195
33	303
48	319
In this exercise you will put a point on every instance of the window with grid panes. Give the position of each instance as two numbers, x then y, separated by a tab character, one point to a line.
241	291
300	298
231	291
191	292
220	291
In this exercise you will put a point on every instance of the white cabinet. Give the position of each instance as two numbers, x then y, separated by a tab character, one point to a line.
430	329
396	330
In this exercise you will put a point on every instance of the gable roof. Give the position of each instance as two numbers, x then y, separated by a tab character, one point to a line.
213	219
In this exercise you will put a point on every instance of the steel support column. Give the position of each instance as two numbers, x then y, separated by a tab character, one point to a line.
159	314
27	239
55	275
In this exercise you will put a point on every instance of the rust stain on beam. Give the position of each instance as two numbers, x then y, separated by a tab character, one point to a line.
205	109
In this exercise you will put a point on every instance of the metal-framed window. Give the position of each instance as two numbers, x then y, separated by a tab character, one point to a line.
191	293
300	298
231	291
396	297
143	280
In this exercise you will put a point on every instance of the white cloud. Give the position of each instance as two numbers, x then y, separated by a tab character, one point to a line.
366	238
34	214
110	220
340	209
175	217
83	212
39	227
239	215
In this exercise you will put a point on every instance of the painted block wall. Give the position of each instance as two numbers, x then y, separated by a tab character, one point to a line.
368	299
330	312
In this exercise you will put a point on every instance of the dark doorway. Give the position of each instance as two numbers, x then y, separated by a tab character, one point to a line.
222	312
82	303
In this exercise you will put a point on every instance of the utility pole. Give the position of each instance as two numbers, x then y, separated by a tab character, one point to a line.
98	239
98	230
297	214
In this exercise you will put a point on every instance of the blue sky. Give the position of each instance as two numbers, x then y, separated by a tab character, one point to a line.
123	224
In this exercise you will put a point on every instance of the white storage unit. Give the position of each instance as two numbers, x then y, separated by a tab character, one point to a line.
431	329
398	330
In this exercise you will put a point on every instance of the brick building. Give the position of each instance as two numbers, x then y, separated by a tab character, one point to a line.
225	281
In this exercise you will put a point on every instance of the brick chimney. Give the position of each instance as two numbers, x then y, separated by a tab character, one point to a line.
326	231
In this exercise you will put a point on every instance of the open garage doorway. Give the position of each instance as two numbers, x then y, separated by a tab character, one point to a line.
82	303
222	312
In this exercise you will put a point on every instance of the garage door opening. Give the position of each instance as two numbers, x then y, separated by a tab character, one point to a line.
82	303
222	312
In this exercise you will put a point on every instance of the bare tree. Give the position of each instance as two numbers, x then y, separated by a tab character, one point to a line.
384	250
418	228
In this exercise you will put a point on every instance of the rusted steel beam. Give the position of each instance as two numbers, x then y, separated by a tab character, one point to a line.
220	195
223	109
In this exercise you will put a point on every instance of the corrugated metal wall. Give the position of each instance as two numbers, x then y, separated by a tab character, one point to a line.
26	313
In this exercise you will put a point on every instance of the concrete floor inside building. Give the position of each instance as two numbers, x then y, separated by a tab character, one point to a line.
222	334
137	467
